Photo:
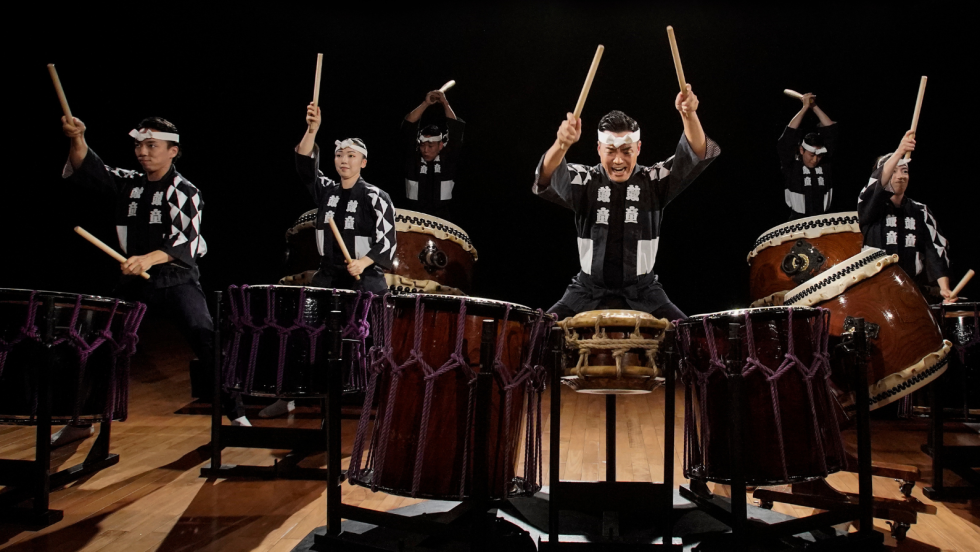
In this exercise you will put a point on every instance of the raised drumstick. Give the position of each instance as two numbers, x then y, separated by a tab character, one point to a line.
580	104
918	108
98	243
316	83
677	59
340	242
61	93
447	86
959	287
795	94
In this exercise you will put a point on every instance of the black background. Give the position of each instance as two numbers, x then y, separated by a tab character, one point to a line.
236	81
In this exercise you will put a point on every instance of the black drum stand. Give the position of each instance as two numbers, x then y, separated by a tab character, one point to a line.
32	480
733	512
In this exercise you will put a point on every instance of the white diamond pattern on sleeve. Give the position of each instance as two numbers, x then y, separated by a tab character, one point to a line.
579	174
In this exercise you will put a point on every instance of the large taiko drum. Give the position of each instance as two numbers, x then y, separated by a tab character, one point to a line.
433	249
424	364
614	352
82	344
792	253
274	340
907	350
789	420
302	258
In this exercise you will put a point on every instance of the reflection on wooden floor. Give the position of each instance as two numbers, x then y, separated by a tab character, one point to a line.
155	500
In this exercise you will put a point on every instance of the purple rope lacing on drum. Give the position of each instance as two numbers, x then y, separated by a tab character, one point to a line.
117	406
83	349
28	330
533	375
359	329
692	446
380	352
715	364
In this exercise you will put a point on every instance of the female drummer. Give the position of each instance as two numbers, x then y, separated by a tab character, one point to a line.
618	208
900	225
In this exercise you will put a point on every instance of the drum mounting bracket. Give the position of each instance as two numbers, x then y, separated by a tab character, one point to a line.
870	327
433	258
803	261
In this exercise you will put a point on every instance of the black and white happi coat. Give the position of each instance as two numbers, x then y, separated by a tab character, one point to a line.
366	222
909	230
429	184
164	215
809	192
638	203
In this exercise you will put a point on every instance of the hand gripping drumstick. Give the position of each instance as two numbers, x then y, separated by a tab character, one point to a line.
316	84
794	94
98	243
340	242
447	86
959	287
61	94
677	59
580	105
918	108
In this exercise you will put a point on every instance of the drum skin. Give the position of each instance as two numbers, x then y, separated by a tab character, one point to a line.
961	383
766	275
458	272
442	462
709	407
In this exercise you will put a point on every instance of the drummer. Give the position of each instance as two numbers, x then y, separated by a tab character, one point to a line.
618	208
806	163
156	240
431	156
900	225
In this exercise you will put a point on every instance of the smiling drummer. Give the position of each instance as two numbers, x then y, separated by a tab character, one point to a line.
618	208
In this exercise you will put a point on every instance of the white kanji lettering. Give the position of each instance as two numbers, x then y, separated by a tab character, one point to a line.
136	193
631	214
156	217
349	223
632	193
806	170
157	198
891	238
818	170
132	209
437	169
604	193
806	181
602	216
819	181
332	202
891	221
327	216
909	223
352	206
909	240
424	169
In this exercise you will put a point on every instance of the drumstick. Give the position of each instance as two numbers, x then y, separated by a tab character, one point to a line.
918	108
580	104
447	86
677	59
340	242
959	287
795	94
98	243
316	84
61	93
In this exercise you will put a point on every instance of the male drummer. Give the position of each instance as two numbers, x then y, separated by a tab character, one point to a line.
431	156
900	225
158	224
618	208
807	163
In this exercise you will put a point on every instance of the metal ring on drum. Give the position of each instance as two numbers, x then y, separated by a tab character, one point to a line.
616	351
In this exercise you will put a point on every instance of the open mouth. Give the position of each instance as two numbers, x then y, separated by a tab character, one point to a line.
618	171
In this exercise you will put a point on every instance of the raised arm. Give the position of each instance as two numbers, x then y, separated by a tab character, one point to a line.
807	100
76	134
906	145
825	121
430	98
305	146
569	132
687	105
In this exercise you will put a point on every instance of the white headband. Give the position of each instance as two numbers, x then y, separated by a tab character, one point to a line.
437	138
813	150
606	137
903	161
349	143
140	136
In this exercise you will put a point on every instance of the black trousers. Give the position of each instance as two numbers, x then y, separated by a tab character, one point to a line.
668	310
187	308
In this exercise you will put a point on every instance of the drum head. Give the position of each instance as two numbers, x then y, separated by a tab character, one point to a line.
614	317
810	227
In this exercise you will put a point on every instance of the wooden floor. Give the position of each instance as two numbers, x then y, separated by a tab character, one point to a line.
154	498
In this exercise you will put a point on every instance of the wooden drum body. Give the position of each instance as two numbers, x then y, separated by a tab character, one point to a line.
613	351
789	431
302	258
81	344
423	373
907	350
792	253
431	249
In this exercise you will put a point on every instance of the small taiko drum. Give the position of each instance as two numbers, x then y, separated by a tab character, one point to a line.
788	413
907	350
274	340
433	255
424	366
792	253
615	351
81	344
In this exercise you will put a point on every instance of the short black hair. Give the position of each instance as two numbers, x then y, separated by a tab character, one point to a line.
814	139
617	121
163	125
